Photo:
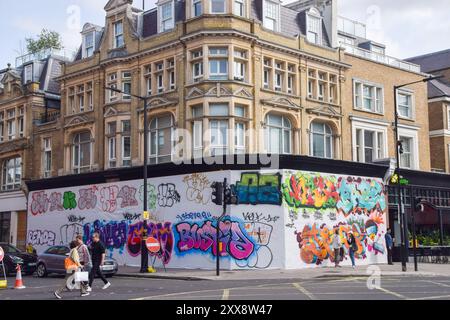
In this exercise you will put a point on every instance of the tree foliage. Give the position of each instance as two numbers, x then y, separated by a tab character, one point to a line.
47	39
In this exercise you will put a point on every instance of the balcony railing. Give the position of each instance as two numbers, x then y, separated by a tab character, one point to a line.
352	27
48	116
43	54
382	58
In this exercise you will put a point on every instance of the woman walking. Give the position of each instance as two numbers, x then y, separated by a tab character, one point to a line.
352	248
72	265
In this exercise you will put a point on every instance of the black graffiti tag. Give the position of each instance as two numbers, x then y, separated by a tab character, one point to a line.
167	195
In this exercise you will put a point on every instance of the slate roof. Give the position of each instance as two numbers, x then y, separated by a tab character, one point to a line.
438	88
433	61
293	23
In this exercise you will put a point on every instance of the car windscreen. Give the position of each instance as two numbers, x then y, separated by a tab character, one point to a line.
52	250
10	249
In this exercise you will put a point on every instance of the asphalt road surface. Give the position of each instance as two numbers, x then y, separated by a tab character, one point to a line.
353	288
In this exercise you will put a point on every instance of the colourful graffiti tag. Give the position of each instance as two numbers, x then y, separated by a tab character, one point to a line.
347	195
113	234
161	231
315	242
202	238
255	188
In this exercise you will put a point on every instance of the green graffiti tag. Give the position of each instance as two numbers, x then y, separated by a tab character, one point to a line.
69	200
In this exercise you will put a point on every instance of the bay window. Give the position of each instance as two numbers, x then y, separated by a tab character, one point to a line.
238	8
197	131
196	8
160	139
126	85
278	131
219	128
218	63
321	140
11	174
218	6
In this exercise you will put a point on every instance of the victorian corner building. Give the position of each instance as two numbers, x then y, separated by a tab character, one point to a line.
260	77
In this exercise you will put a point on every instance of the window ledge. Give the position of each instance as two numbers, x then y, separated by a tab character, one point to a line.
323	102
281	92
369	112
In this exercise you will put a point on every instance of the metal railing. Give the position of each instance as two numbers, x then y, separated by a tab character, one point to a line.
352	27
43	54
49	116
381	58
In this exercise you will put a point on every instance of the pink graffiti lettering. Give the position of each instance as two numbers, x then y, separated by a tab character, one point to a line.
56	201
39	203
108	198
128	196
236	243
88	199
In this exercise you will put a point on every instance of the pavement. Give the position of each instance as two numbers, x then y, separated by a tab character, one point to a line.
424	270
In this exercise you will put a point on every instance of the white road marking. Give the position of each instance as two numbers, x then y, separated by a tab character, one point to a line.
431	298
437	283
398	295
226	294
304	291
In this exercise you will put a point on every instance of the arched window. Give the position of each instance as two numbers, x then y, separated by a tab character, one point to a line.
160	139
11	174
278	134
321	140
82	152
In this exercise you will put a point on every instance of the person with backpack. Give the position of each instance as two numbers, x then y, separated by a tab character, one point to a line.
353	247
72	265
85	259
98	253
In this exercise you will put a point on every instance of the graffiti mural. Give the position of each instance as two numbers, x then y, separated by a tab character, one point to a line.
198	188
201	237
152	196
41	237
255	188
113	234
167	195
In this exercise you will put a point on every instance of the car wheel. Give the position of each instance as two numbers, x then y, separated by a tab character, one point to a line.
41	271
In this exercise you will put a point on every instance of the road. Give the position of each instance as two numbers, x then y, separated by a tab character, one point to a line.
351	288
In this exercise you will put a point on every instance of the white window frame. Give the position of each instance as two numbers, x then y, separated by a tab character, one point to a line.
199	76
169	20
325	137
78	168
28	73
194	4
126	80
314	14
399	92
448	117
17	168
47	156
283	128
218	75
358	91
217	12
411	132
239	70
155	156
239	5
370	125
86	48
272	16
119	40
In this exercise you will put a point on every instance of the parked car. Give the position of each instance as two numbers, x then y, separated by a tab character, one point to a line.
52	261
14	256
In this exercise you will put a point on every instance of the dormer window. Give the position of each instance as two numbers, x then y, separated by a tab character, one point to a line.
88	45
196	8
166	16
28	73
118	35
217	6
314	26
271	15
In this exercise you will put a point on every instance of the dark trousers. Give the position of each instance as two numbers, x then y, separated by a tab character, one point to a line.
389	252
96	271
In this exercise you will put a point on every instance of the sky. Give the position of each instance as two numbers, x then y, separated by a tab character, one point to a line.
407	27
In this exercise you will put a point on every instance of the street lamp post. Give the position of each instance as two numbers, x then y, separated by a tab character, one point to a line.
401	214
144	251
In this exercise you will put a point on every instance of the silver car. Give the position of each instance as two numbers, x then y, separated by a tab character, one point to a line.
52	261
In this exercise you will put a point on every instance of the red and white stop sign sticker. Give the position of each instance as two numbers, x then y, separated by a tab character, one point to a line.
2	254
153	245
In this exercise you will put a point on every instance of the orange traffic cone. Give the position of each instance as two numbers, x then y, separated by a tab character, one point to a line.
19	282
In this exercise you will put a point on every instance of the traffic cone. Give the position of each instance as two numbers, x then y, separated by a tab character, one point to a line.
19	282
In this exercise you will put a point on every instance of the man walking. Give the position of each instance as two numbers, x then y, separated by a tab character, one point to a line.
98	258
337	245
85	259
389	245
